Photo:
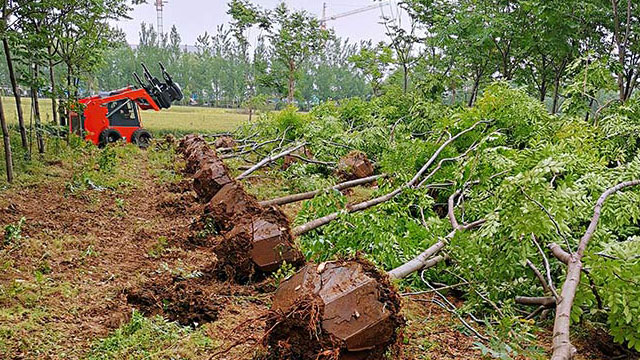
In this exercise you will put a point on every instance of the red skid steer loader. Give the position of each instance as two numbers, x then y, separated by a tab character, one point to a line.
114	116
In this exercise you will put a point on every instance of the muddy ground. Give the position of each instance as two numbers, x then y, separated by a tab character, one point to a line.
86	259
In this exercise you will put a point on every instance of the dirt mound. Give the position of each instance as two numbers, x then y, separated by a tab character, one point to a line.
231	202
256	245
211	177
180	187
354	165
337	310
225	142
177	203
184	301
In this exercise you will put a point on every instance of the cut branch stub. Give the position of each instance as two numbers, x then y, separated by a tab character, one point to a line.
257	244
349	306
354	165
229	203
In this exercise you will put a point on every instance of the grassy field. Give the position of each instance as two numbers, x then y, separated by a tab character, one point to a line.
178	118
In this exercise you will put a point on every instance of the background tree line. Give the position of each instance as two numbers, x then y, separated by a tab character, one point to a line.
219	70
538	44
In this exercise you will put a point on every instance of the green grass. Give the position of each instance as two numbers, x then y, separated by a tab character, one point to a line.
181	119
152	338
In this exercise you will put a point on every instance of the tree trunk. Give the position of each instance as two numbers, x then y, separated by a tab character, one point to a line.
474	90
419	262
405	75
52	79
63	120
292	81
36	113
311	194
7	145
556	95
556	84
562	347
543	90
586	116
269	159
16	92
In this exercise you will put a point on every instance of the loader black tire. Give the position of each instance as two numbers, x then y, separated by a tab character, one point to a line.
142	138
108	136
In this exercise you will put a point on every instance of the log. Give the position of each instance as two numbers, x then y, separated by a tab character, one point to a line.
562	347
311	194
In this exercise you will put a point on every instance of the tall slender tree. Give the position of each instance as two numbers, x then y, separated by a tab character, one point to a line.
7	13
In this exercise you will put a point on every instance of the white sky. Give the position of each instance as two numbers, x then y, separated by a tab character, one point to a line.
194	17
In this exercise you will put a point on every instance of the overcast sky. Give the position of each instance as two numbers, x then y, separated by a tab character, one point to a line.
194	17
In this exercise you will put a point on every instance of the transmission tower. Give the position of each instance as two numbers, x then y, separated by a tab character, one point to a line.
159	7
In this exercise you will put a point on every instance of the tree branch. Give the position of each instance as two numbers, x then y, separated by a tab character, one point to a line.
269	159
562	347
314	224
311	194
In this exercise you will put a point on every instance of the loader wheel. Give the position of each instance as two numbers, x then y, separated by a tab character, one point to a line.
142	138
108	136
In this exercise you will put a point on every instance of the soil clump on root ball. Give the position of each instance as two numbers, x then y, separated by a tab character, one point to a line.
224	142
354	165
195	150
228	204
256	245
335	310
210	178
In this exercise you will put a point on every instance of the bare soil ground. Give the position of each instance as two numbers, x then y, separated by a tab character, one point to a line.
86	259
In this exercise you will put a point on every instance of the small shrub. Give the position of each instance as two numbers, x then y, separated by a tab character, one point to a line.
159	248
107	160
283	273
13	232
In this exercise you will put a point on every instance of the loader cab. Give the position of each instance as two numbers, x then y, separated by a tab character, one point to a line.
123	113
